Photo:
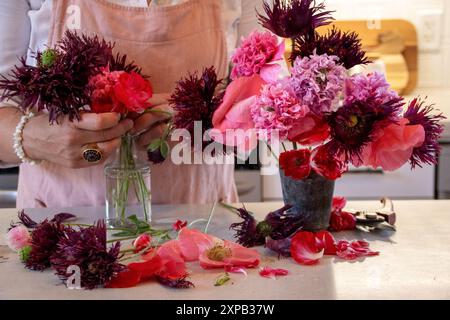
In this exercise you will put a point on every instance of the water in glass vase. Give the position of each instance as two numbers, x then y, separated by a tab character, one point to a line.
128	186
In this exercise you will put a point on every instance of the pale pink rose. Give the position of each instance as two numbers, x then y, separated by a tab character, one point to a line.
18	237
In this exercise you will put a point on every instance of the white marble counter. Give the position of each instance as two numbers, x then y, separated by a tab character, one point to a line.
414	263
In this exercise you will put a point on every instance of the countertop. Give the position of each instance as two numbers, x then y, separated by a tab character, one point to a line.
414	262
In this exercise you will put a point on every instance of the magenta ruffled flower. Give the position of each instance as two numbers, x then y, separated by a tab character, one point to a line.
257	55
277	108
418	113
373	89
319	82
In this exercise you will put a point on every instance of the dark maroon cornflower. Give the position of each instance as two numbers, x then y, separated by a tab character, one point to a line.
195	100
86	248
295	18
345	45
175	283
44	240
418	113
247	232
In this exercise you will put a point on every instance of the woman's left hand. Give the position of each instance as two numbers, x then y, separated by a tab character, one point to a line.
152	124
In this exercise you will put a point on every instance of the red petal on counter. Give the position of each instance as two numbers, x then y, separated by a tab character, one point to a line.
306	248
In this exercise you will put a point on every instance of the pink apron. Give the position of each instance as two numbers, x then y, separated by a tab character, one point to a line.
167	42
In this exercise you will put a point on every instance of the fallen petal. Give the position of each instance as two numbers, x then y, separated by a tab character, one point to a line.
305	249
271	273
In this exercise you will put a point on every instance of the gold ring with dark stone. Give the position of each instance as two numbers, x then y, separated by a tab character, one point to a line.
92	154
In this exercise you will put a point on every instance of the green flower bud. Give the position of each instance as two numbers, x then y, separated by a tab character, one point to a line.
48	57
24	253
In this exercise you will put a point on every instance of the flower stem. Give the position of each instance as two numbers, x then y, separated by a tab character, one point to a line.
210	216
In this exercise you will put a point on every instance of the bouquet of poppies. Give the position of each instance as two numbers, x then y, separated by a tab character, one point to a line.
330	118
83	74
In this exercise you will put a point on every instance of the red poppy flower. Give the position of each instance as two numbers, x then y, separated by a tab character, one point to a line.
309	130
268	272
142	242
133	91
296	163
306	248
327	164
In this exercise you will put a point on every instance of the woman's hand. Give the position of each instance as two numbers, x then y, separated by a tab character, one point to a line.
152	124
63	144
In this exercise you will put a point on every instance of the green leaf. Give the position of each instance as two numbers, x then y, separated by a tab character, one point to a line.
164	148
121	234
222	280
155	144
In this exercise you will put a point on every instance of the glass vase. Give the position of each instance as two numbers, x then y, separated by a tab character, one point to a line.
128	192
311	199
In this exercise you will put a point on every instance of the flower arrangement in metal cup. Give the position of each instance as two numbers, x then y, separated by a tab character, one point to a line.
331	118
82	74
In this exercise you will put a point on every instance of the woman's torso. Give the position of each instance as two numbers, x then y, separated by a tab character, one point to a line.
169	42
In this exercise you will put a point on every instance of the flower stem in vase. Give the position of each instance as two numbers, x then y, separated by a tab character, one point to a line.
127	186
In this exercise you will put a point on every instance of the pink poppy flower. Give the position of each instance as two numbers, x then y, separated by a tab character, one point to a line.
18	237
268	272
393	146
193	242
306	248
213	252
234	114
226	253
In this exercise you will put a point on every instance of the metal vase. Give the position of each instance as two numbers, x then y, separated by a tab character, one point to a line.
311	199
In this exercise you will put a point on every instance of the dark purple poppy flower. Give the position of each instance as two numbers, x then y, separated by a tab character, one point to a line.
282	246
418	113
249	232
345	45
283	223
295	18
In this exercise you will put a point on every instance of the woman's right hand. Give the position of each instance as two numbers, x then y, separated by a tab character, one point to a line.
63	143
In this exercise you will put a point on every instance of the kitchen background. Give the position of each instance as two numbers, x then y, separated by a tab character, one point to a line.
431	19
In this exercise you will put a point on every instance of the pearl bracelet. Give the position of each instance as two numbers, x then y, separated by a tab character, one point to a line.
18	138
